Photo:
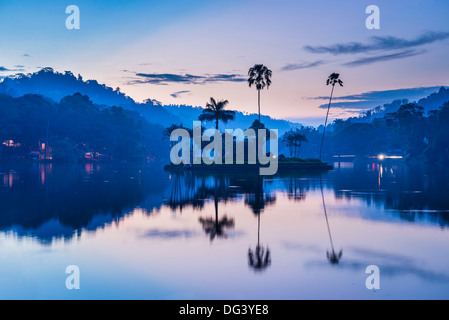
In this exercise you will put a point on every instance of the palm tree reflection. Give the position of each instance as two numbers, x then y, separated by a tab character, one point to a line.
260	258
295	189
187	191
333	257
256	198
216	228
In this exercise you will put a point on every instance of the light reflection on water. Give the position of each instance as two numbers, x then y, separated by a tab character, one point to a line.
146	234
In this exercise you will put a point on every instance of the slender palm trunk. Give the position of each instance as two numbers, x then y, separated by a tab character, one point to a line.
259	102
325	124
258	230
216	124
325	214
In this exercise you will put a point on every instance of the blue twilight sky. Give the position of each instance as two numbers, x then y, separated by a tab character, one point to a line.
184	52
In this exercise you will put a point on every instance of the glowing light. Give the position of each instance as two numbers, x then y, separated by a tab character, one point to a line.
381	157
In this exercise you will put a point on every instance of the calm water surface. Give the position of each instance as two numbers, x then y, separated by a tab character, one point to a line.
142	233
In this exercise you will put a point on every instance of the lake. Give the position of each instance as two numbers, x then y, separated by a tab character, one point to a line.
143	233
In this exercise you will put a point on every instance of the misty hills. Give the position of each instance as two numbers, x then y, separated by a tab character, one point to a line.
432	102
56	86
435	99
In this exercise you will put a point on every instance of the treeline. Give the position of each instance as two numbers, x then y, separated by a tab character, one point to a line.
408	132
75	126
57	85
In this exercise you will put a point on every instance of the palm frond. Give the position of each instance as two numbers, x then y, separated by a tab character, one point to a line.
215	111
260	76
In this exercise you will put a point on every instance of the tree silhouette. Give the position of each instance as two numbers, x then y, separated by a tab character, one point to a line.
333	79
259	76
294	140
409	126
215	111
166	133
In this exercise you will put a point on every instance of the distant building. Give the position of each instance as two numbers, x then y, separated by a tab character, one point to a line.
45	152
11	143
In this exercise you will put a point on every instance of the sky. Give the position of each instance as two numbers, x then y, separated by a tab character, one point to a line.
184	52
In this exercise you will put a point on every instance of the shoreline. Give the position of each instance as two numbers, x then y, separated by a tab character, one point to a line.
250	168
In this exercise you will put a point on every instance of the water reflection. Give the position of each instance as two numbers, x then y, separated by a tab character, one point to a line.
50	201
333	257
413	193
260	258
215	227
257	195
143	221
9	178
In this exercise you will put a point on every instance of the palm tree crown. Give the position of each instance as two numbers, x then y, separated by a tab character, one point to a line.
259	76
215	111
333	79
259	259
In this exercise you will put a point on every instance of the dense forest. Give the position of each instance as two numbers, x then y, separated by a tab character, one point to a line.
35	126
407	132
75	126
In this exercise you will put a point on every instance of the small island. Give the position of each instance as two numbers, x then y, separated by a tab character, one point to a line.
284	165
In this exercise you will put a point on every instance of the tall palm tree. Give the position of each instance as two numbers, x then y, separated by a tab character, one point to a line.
215	111
260	76
333	79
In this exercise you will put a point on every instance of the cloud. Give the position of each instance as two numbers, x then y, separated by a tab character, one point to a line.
169	234
388	57
4	69
179	93
304	65
385	94
164	79
390	269
379	44
26	55
372	99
